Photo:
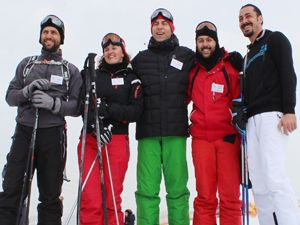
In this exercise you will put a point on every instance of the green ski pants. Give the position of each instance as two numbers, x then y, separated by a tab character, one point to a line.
159	155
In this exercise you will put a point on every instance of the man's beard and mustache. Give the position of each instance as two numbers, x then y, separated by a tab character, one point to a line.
250	33
204	48
54	48
210	61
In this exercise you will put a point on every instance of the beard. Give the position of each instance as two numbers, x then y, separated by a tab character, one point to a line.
52	49
248	33
206	56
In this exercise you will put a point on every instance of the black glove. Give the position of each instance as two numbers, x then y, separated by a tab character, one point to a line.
39	84
102	108
236	60
106	135
239	117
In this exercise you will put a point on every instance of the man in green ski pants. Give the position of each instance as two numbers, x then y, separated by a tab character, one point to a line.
163	128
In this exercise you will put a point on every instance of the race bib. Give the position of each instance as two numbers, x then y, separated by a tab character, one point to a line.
176	64
55	79
117	81
218	88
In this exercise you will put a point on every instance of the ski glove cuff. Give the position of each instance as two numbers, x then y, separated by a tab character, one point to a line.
39	84
239	117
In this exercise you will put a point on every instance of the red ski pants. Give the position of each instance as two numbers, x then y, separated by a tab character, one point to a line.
217	169
91	211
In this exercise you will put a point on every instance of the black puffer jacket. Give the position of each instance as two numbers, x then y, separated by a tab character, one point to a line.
119	87
163	70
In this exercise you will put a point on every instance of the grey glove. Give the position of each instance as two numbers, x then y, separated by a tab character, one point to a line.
42	100
40	84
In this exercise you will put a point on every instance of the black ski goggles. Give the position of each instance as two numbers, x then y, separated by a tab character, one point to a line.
207	24
54	20
163	12
112	38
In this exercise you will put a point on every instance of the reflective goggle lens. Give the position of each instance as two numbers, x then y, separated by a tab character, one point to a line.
113	39
209	25
165	13
55	20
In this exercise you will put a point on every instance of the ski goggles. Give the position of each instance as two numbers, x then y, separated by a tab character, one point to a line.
207	24
112	38
165	13
54	20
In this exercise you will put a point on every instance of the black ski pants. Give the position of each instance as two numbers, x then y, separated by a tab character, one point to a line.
49	162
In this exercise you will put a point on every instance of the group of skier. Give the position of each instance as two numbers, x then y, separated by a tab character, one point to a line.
255	109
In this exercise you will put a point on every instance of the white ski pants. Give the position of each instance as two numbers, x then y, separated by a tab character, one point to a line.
266	159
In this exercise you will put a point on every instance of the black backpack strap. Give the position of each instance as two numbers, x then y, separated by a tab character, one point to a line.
193	80
227	80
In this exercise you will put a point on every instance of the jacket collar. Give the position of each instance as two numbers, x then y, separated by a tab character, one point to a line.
258	38
46	55
167	45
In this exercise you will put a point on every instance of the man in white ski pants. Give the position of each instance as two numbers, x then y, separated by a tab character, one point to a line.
270	95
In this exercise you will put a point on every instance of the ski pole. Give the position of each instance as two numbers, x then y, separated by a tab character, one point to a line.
94	93
83	137
83	186
23	211
244	157
112	186
245	184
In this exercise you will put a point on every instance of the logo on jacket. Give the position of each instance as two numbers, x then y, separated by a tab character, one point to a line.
261	52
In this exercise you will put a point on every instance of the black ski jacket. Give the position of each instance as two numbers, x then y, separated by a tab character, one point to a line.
163	69
121	91
270	76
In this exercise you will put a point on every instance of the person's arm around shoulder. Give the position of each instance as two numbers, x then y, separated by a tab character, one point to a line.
70	107
236	60
131	111
189	58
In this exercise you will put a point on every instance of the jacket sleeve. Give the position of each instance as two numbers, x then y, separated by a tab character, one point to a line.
132	111
191	74
235	83
281	53
82	95
14	93
70	107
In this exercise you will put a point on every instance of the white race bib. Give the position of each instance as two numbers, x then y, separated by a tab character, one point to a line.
219	88
117	81
176	64
55	79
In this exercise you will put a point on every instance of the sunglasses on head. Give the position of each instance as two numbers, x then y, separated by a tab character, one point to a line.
54	19
113	39
165	13
207	24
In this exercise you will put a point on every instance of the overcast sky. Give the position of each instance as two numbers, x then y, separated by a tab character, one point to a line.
86	22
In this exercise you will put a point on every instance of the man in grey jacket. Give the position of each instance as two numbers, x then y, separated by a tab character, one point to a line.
45	89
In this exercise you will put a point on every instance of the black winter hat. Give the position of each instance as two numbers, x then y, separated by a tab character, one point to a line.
53	21
207	28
